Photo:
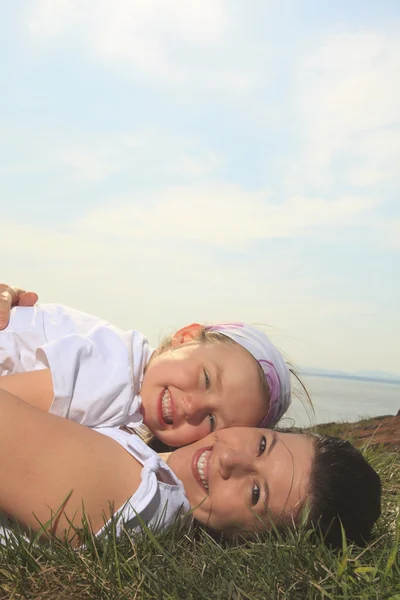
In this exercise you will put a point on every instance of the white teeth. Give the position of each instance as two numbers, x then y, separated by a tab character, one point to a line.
201	463
166	407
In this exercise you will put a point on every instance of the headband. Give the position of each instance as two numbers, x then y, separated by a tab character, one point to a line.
271	361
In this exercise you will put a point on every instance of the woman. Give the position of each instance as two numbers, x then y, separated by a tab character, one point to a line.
236	480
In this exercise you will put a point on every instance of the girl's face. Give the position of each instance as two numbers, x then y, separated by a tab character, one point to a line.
240	479
196	388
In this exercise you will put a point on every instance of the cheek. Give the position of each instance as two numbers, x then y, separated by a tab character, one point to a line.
202	511
176	437
216	515
184	435
227	512
176	373
193	433
214	511
159	368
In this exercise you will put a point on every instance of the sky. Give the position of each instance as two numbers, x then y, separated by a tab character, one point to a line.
164	162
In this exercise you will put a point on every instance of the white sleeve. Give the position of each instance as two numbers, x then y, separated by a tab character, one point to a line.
32	327
92	382
157	503
20	339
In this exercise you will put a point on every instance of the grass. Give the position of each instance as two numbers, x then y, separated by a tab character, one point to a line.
183	564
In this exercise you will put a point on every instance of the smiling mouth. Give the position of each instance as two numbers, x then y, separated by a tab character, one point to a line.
166	407
202	467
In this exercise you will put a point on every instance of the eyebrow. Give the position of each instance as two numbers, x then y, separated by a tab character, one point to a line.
218	372
218	376
272	445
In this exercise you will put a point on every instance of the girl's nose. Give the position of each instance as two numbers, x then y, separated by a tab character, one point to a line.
232	462
192	407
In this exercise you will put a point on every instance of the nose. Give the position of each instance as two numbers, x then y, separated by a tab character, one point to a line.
193	407
233	463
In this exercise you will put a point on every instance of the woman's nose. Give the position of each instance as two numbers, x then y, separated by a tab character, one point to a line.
232	462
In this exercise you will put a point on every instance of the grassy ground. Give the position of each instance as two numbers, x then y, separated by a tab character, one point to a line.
184	565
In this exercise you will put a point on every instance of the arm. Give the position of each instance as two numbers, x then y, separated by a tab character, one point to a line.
35	387
12	296
52	463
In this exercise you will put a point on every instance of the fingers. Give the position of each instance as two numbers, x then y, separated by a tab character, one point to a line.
27	298
7	297
12	296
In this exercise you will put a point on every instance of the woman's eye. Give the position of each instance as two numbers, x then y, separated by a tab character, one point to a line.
206	379
263	445
255	494
212	423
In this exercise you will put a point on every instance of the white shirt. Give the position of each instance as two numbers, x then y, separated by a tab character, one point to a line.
97	369
158	501
160	498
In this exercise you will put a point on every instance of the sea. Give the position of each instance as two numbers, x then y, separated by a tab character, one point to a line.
344	399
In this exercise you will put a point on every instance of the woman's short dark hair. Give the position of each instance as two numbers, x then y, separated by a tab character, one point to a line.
344	490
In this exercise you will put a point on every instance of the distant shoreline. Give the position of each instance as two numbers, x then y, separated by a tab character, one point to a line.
350	377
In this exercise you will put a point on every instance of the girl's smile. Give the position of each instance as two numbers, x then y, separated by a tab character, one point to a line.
166	408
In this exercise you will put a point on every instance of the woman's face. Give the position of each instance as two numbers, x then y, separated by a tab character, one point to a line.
241	478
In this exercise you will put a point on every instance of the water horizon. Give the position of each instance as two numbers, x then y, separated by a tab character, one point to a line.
345	398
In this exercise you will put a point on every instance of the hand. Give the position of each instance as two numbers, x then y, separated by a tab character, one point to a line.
12	296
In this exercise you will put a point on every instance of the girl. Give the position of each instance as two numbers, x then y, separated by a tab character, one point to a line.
235	480
203	379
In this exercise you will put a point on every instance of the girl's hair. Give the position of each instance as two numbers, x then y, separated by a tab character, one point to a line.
201	335
344	491
301	392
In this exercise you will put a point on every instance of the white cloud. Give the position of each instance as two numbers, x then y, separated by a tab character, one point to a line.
158	282
216	215
373	157
49	19
195	166
191	46
98	157
38	148
94	157
120	22
347	93
154	36
388	233
223	215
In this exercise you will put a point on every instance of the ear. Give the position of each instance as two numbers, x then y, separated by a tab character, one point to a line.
186	334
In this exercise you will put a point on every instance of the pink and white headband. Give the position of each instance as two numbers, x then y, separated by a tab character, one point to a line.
271	361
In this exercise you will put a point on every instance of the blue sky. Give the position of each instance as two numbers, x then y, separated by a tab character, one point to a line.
164	162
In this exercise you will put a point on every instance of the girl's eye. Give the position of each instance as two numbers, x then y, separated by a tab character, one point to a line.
212	423
206	379
255	494
263	445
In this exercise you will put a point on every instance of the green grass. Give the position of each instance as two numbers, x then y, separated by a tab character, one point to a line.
185	564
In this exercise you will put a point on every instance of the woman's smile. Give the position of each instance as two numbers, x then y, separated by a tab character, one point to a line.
200	462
